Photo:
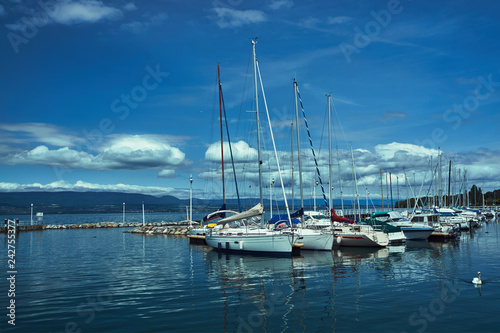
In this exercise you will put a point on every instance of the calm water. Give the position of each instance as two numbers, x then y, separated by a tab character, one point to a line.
104	280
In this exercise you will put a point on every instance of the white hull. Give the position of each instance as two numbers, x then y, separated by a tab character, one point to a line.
417	233
360	236
253	243
315	240
396	237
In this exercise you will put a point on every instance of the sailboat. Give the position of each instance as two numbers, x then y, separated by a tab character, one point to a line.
198	235
242	232
345	231
312	239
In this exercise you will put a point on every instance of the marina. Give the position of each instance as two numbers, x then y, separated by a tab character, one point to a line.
106	279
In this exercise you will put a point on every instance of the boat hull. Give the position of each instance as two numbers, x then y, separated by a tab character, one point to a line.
361	240
316	241
280	244
417	233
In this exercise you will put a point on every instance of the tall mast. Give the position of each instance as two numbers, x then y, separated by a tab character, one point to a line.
258	120
449	185
221	137
293	194
440	180
382	189
298	143
353	185
329	155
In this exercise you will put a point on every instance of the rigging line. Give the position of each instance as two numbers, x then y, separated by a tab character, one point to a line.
274	145
312	148
230	150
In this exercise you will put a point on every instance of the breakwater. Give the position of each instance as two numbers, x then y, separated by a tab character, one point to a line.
168	228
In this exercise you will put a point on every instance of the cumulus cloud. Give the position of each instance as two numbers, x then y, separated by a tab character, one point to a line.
242	152
401	160
129	152
232	18
82	186
388	151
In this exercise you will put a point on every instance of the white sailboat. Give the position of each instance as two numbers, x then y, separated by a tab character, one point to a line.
313	239
242	232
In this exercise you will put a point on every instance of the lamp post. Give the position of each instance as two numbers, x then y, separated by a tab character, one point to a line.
124	212
31	214
190	199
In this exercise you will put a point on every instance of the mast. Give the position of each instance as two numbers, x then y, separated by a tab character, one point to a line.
298	145
353	185
293	194
329	154
390	182
382	189
221	137
258	121
449	184
440	200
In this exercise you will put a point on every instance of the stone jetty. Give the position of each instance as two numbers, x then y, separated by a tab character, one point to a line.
168	228
160	230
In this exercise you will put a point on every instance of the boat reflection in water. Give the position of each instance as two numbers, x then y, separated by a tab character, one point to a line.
279	294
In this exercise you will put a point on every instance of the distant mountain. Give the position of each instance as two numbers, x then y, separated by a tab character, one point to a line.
68	198
78	202
112	202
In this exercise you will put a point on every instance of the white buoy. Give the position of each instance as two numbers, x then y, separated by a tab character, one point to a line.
477	280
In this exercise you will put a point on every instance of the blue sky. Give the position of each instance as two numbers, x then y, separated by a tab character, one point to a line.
122	96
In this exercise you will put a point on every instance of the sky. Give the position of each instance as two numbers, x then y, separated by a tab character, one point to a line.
123	96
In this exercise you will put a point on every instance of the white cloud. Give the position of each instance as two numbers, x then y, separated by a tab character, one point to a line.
39	132
130	152
242	152
82	186
388	151
69	12
231	18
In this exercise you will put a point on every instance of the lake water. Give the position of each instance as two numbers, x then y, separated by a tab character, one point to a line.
105	280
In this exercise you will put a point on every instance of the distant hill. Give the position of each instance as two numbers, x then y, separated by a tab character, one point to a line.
78	202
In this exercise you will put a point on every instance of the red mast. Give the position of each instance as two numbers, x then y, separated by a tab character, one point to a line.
221	137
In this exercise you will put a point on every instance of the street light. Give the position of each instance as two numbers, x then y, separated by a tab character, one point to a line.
124	212
190	199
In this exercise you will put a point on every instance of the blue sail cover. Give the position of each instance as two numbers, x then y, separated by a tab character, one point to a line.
215	215
282	218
